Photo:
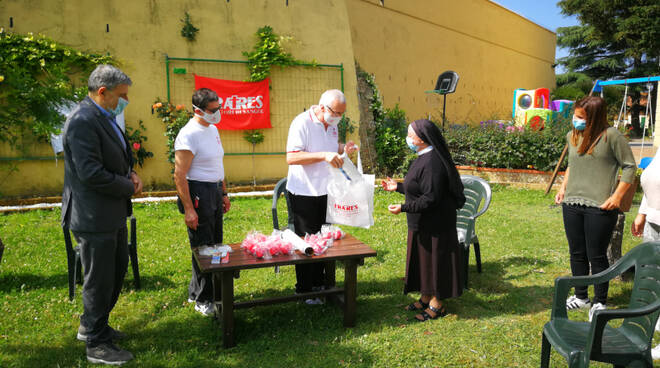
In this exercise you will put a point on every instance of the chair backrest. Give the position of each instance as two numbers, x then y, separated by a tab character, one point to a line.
280	188
475	190
646	289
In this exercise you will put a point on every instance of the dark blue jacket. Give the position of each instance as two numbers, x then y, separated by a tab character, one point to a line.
97	185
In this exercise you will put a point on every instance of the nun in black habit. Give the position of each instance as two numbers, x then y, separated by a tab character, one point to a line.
433	191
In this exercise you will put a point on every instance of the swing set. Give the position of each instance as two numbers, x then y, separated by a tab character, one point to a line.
648	122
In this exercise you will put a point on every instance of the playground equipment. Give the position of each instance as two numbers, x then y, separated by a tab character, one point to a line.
534	108
648	121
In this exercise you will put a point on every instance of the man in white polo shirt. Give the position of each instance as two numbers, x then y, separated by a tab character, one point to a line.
199	177
312	145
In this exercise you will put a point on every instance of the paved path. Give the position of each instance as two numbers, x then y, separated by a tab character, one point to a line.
636	147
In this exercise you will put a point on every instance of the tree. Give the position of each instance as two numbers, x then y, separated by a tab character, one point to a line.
616	38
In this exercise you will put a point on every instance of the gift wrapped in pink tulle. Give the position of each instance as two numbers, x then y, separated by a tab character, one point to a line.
266	247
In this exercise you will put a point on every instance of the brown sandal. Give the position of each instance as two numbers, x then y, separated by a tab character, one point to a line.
414	307
439	312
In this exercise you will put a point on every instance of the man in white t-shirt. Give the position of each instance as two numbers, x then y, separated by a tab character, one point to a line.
312	146
199	177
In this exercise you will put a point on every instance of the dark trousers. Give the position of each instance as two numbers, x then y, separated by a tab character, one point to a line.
207	197
588	230
308	217
104	257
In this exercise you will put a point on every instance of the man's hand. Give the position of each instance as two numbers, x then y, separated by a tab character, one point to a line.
226	205
333	159
350	147
394	208
137	183
192	219
638	225
389	184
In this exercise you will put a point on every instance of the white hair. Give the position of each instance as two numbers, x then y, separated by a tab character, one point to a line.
331	95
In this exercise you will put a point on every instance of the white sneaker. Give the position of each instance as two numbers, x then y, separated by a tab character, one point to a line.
655	352
573	302
315	301
191	300
597	306
205	308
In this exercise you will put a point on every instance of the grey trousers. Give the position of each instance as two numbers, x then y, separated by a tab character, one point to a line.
104	259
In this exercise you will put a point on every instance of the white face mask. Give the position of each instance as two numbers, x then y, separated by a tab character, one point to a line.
331	120
209	118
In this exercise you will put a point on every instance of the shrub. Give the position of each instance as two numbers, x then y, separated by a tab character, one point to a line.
501	145
390	141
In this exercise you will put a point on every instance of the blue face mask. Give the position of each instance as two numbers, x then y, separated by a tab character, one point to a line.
411	145
121	105
579	124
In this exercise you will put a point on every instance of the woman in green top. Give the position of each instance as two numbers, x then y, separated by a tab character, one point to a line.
590	196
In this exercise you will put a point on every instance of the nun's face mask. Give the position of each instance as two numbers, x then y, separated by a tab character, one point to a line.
412	140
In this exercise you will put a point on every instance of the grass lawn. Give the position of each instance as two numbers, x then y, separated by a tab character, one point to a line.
496	323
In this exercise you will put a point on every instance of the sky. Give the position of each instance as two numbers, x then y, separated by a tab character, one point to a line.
546	13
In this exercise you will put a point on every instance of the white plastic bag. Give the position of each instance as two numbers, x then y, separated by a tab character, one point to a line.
350	195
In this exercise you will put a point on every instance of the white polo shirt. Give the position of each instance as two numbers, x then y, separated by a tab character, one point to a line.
204	143
308	134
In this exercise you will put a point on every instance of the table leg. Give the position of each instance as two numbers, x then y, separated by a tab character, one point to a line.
329	282
350	292
228	309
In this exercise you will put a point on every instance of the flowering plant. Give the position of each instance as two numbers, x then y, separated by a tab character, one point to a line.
174	118
135	138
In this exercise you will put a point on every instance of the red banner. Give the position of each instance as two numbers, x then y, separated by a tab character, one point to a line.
243	105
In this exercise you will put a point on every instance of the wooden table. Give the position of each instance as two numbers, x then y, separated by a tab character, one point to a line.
349	250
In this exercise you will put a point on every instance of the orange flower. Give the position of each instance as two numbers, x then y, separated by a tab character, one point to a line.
180	107
157	105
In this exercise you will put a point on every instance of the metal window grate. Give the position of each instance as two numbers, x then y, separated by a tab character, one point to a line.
293	90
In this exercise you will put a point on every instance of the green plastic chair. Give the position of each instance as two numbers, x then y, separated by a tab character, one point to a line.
475	190
629	344
280	189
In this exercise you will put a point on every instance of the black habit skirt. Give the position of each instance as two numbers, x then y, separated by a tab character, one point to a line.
434	264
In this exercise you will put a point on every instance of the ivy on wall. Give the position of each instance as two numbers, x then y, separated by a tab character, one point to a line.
267	52
37	77
188	30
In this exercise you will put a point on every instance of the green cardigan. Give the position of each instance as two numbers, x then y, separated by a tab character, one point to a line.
592	178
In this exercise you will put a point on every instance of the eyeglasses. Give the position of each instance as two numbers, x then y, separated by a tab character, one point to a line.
333	112
212	111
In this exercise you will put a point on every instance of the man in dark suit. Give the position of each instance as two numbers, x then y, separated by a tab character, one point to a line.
98	185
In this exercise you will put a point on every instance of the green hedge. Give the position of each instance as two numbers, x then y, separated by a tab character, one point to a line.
501	145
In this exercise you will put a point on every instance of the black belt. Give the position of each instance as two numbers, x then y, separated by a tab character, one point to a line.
207	183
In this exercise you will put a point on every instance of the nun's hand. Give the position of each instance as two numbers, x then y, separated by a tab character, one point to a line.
388	184
394	208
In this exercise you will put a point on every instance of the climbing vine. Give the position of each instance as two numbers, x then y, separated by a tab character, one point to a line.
37	78
268	51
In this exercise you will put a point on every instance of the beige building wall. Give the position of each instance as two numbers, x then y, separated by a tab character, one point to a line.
140	33
407	44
